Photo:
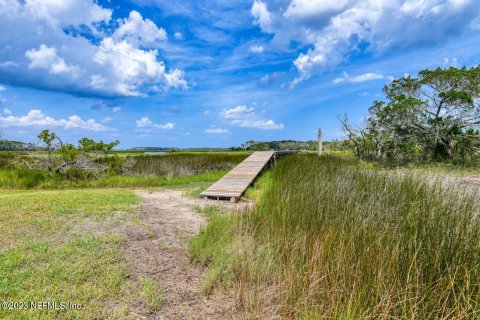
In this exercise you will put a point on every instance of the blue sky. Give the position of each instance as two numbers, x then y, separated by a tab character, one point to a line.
215	73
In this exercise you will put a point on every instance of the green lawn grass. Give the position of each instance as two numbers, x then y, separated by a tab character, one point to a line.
59	246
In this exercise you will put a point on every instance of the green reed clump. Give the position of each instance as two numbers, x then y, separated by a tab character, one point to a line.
350	242
7	160
183	164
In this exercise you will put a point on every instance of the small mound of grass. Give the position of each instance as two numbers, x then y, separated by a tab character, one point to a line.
213	247
152	294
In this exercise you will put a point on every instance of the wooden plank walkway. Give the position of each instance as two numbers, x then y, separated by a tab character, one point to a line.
233	184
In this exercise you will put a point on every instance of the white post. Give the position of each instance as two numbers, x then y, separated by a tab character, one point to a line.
320	144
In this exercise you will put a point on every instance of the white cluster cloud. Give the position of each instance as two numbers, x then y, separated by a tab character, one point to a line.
137	30
106	120
47	58
129	68
145	123
217	131
175	79
178	35
246	117
262	15
120	62
331	29
63	13
257	49
346	78
450	61
2	99
36	118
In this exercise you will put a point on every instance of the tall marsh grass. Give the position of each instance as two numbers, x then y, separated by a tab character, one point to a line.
183	164
332	239
177	169
34	179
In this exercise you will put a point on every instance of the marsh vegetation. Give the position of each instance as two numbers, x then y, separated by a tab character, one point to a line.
330	238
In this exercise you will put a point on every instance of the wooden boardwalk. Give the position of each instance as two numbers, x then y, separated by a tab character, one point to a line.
233	184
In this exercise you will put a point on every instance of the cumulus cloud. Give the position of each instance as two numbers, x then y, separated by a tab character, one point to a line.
175	79
246	117
137	30
217	131
304	9
262	15
66	12
106	120
168	125
2	88
36	118
256	49
271	78
129	69
178	35
346	78
145	122
7	111
450	61
96	61
331	29
47	58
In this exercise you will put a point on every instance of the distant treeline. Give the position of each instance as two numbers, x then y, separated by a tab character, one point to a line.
9	145
173	149
310	145
251	145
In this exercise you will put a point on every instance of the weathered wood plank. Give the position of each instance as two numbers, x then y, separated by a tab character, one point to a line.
235	182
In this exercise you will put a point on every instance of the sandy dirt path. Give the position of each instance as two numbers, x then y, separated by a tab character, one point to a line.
157	248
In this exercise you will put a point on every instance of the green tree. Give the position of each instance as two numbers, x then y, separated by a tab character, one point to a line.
432	116
255	146
89	155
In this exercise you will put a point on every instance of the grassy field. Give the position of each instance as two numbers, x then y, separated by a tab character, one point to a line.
331	238
60	246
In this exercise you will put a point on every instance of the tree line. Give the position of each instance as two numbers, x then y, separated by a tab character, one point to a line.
309	145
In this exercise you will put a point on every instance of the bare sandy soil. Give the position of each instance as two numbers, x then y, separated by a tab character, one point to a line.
157	248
